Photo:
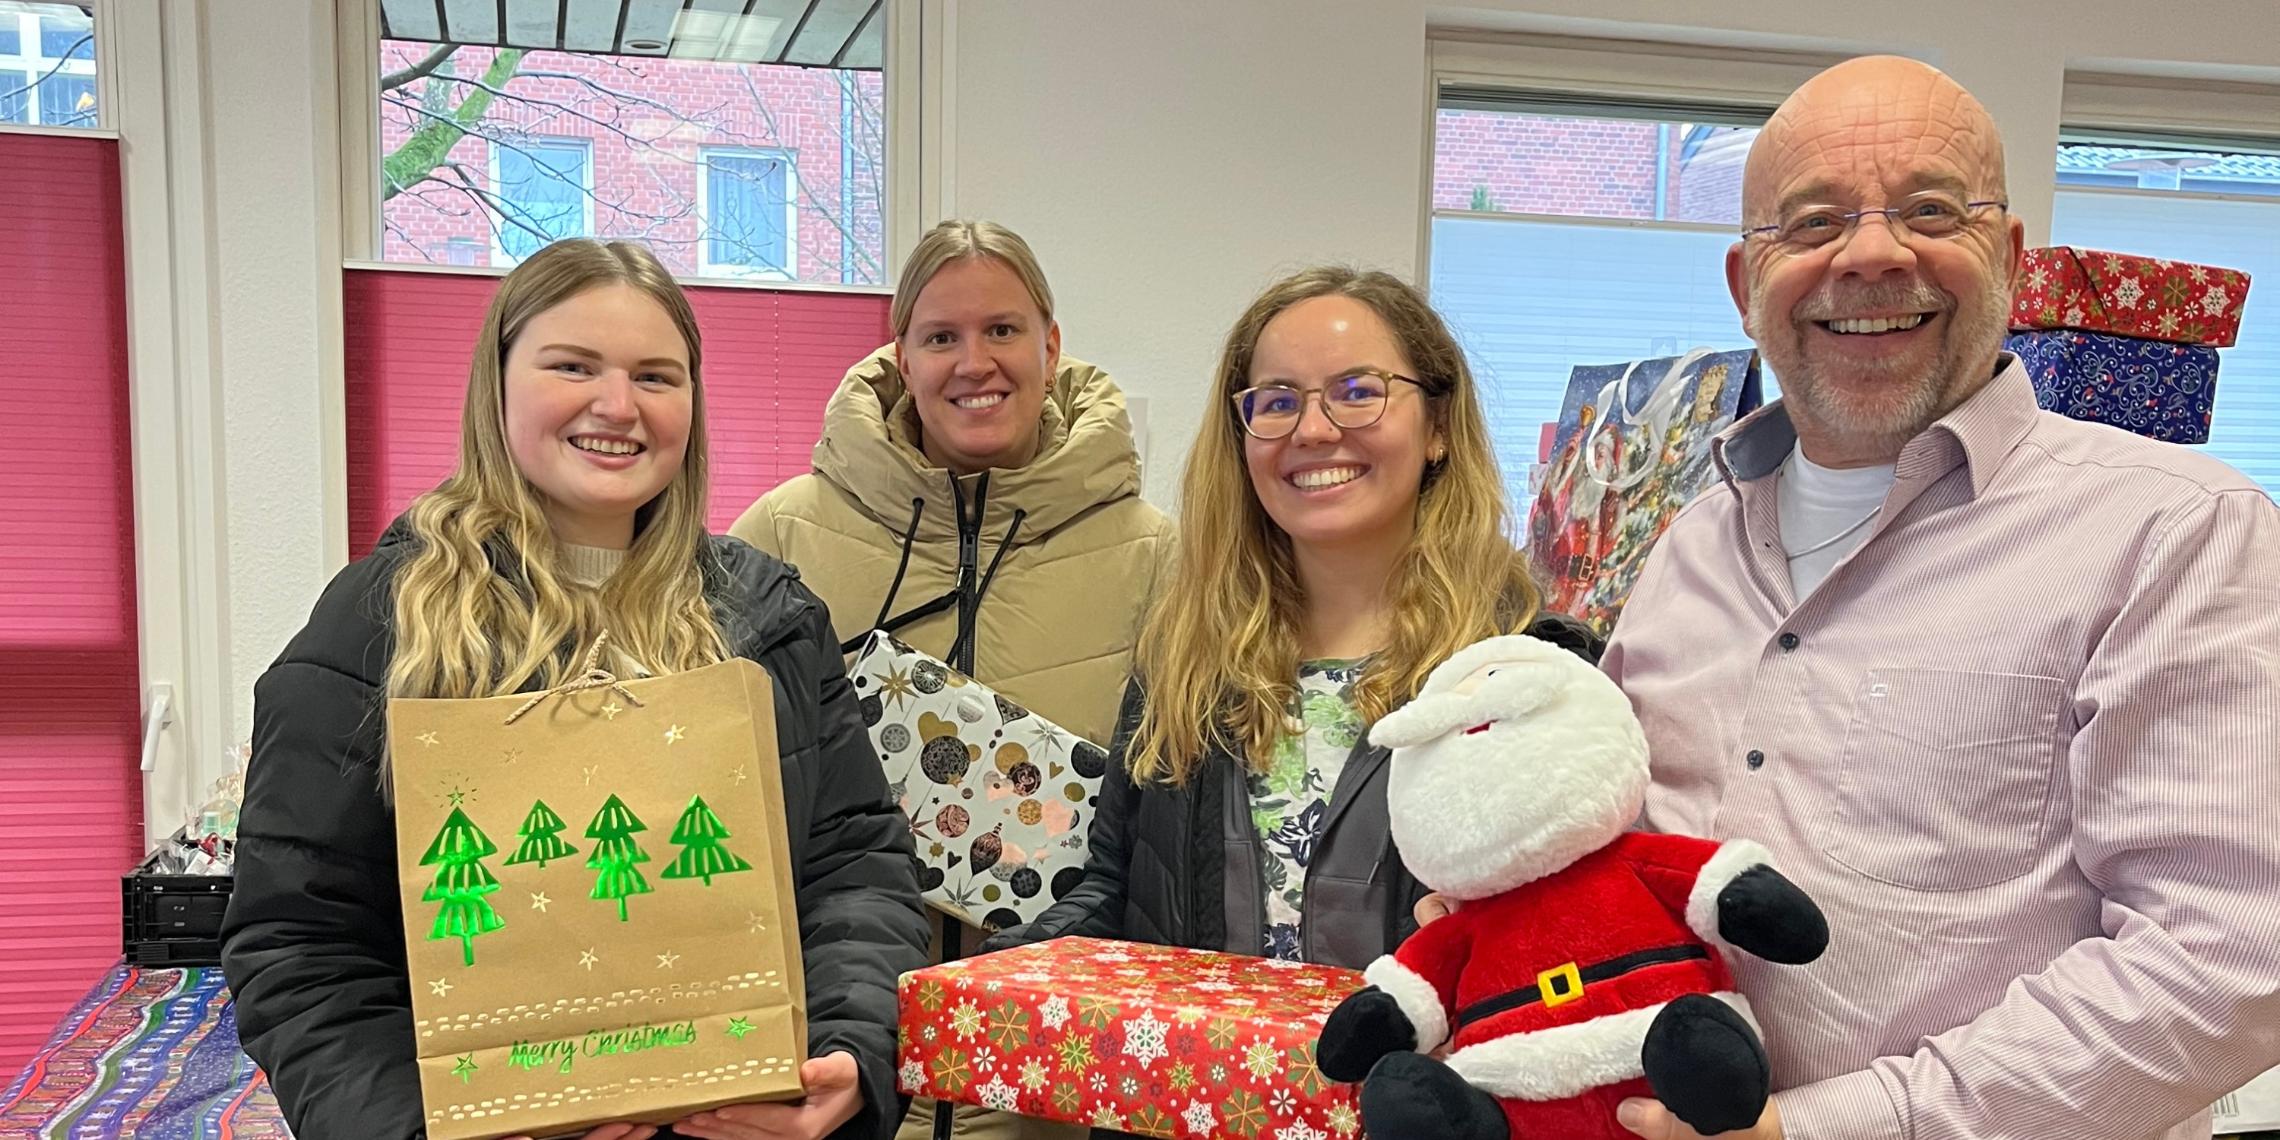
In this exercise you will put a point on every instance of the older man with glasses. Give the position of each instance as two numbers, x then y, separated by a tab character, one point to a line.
2001	690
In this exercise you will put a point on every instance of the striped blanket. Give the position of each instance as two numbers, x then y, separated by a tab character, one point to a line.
148	1054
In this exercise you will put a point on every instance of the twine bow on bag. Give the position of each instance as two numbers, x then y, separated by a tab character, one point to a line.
591	677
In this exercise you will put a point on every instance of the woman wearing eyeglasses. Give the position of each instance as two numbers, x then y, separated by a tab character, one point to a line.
1342	531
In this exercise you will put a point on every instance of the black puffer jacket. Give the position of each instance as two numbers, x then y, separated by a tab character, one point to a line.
1183	866
313	945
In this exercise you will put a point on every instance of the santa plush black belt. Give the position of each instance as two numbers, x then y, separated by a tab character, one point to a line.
1564	984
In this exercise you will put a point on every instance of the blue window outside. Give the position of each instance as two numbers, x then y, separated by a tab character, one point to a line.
66	39
67	101
15	101
746	205
542	193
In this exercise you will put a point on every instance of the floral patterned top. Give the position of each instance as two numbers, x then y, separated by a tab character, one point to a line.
1291	799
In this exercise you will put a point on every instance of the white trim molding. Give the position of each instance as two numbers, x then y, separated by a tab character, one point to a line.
356	38
175	402
2164	105
1623	69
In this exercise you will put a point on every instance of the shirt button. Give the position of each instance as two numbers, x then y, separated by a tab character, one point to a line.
1788	642
1755	759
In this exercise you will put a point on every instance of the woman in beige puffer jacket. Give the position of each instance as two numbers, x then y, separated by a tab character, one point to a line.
977	494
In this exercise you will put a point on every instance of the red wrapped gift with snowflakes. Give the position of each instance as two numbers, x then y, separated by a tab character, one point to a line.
2090	290
1150	1040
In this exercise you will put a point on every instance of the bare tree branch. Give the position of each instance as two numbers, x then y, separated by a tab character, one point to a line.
388	225
493	208
601	89
847	237
483	129
426	66
432	142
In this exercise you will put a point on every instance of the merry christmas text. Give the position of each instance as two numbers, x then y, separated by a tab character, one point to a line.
601	1043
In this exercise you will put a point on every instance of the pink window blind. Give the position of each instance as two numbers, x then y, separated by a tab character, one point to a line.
772	359
70	788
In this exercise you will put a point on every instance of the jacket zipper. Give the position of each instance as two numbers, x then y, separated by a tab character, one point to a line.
969	568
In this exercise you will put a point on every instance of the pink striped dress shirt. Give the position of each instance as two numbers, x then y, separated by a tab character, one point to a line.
2023	746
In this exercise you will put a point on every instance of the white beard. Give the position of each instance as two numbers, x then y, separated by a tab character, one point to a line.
1476	815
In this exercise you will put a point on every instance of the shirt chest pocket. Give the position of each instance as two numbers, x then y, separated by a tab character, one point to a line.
1946	778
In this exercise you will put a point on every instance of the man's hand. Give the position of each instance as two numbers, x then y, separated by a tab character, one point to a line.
1434	906
1649	1119
833	1098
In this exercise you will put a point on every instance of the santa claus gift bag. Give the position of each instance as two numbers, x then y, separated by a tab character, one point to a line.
598	906
1631	448
999	798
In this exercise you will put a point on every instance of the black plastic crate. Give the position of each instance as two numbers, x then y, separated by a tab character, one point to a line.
173	920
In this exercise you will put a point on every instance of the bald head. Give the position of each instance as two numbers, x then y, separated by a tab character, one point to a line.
1870	120
1877	323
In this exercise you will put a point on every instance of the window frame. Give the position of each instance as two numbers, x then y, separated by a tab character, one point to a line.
918	144
706	266
499	252
32	58
1584	73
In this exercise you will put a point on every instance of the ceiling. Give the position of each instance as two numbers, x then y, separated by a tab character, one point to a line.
802	33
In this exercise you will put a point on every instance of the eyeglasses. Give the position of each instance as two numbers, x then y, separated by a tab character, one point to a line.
1934	215
1272	411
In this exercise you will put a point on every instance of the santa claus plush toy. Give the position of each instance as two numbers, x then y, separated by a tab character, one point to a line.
1585	962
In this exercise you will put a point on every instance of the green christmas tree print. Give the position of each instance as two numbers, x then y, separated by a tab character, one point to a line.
539	839
699	834
461	882
616	854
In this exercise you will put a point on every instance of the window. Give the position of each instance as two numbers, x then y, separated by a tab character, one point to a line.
2217	205
47	65
689	118
15	97
746	202
68	101
1567	233
541	192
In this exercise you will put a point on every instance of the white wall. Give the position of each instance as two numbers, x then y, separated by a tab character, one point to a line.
230	166
1168	159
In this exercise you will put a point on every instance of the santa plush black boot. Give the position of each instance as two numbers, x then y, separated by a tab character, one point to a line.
1707	1065
1412	1095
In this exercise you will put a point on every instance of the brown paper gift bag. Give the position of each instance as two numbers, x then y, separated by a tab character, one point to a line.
598	902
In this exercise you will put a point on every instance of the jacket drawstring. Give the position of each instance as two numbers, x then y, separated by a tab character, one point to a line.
887	604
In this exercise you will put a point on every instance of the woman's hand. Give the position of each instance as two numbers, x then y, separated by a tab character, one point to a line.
1434	906
833	1098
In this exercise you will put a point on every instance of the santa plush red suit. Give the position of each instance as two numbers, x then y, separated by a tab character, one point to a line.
1585	963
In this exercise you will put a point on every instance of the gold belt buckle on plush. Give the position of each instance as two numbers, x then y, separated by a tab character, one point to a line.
1568	987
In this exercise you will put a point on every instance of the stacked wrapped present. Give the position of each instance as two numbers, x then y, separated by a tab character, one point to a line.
2124	340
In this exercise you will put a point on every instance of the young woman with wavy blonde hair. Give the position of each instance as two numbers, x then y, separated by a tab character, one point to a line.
1342	530
577	507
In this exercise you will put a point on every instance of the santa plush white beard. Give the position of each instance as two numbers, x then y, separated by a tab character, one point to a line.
1479	814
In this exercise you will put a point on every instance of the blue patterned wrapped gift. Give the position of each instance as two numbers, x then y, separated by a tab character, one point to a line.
2159	390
